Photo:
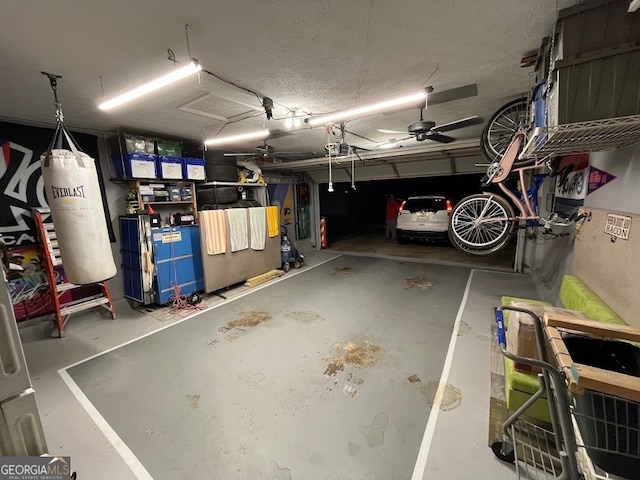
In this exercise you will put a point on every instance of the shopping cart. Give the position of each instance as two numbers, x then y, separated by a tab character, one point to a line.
589	428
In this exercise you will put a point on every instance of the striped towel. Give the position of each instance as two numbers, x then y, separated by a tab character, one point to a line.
215	230
238	228
258	219
273	221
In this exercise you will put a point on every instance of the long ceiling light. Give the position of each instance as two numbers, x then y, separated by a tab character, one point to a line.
236	138
367	109
163	81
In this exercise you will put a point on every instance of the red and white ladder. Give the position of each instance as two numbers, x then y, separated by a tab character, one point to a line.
52	259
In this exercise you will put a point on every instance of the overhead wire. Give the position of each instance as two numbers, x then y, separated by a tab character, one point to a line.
235	121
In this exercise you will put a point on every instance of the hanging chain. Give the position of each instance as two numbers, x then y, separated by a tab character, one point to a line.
186	34
53	81
552	47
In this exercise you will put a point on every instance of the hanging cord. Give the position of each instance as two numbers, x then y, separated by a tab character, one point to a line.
328	129
353	168
179	304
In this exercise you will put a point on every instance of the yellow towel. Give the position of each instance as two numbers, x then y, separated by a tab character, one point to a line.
273	221
214	225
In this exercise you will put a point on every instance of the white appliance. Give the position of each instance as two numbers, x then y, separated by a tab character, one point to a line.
21	431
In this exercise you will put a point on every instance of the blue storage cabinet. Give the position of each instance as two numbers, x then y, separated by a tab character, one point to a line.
176	257
178	261
131	253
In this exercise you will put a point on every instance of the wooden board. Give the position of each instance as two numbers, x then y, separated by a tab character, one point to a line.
606	381
562	356
598	329
265	277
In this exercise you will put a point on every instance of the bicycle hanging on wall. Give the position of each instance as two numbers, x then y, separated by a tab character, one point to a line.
518	140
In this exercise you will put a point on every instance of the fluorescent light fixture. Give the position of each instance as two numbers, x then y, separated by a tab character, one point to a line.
163	81
368	109
236	138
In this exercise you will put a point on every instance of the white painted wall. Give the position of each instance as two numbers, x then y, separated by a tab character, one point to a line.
549	260
609	269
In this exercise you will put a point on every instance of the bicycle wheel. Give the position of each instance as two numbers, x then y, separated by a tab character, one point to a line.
469	234
501	127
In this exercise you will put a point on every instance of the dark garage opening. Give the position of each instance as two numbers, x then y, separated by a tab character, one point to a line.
351	213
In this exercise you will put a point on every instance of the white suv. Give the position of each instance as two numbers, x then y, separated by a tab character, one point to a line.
425	218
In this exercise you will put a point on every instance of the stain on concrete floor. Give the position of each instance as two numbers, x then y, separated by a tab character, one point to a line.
352	354
353	448
343	271
282	473
464	329
451	399
246	319
252	380
414	379
194	401
418	282
374	434
306	316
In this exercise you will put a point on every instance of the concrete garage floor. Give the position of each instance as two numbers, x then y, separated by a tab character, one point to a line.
374	243
209	398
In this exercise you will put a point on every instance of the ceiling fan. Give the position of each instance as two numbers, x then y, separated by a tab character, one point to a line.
428	130
268	153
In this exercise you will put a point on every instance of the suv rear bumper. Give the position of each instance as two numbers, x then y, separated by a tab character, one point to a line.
430	235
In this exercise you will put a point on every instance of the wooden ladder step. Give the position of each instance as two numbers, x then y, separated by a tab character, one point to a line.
78	307
51	254
63	287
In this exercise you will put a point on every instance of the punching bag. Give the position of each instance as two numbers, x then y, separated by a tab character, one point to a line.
74	196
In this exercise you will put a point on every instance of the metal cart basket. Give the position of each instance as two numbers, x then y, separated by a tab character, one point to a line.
594	412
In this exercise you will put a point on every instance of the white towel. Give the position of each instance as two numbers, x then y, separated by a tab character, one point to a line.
214	226
258	219
238	228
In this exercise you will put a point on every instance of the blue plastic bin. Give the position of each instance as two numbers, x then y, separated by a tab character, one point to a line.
134	165
169	168
193	169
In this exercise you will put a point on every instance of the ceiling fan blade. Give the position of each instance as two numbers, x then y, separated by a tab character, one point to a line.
392	132
436	137
452	94
462	123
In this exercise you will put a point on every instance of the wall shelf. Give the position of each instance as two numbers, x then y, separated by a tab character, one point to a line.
593	136
172	202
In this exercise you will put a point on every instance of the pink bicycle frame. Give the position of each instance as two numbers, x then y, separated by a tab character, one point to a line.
506	164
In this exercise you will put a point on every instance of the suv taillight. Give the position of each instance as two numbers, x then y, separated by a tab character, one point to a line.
403	204
449	206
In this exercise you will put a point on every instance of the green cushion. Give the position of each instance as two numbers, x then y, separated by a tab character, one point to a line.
575	295
506	301
519	387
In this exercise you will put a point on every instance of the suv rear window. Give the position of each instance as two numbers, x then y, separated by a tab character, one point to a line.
425	205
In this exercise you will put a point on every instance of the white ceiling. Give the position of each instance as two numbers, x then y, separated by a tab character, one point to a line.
317	55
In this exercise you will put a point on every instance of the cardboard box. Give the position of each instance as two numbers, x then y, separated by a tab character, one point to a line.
521	334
